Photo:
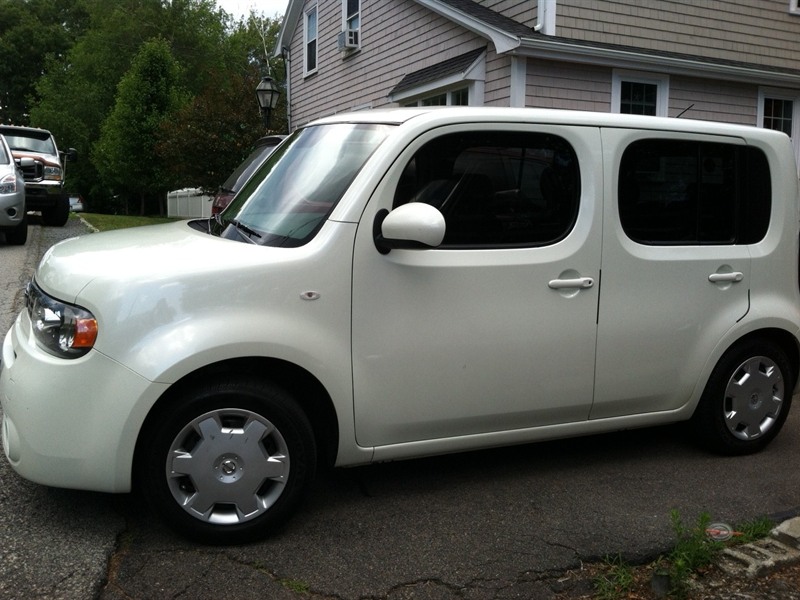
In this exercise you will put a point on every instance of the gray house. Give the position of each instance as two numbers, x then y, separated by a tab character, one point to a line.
701	59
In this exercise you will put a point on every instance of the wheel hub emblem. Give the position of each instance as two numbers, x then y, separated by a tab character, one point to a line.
229	468
755	400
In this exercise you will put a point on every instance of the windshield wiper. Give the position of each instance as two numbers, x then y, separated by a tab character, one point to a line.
244	231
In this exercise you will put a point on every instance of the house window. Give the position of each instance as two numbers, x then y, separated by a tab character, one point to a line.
637	98
794	7
639	93
311	41
352	14
778	115
779	109
350	37
459	97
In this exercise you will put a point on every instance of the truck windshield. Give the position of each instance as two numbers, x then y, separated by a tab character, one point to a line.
290	196
30	141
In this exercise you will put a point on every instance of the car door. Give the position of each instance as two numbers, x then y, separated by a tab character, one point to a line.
676	263
495	329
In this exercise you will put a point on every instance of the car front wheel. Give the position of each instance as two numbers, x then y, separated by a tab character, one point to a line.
228	462
746	400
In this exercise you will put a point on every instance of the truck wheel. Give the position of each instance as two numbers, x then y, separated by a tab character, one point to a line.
228	461
56	216
19	235
746	400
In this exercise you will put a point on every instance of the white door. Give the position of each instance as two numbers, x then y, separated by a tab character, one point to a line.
676	262
494	330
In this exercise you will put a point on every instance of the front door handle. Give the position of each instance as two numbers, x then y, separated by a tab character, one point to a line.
726	277
581	283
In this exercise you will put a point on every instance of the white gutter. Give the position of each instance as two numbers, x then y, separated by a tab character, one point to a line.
550	49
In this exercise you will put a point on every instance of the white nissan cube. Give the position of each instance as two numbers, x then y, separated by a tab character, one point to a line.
401	283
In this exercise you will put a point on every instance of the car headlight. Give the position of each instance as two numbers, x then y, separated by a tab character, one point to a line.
64	330
52	173
8	184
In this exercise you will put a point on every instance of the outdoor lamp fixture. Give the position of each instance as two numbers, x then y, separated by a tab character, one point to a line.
267	93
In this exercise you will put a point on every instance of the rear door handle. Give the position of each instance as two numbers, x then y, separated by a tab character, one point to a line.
726	277
581	283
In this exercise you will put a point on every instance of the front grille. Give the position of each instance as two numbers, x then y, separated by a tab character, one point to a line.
34	172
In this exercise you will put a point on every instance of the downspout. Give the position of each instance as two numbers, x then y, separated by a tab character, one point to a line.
546	17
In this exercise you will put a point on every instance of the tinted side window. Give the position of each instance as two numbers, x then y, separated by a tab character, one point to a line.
496	189
685	192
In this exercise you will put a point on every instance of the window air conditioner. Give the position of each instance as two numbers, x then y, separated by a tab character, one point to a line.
347	39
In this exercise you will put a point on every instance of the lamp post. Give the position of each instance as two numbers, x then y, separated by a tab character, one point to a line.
267	94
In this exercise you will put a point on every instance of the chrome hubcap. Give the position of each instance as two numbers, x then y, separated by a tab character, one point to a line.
227	466
753	398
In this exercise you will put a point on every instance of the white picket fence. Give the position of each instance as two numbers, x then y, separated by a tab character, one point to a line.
188	203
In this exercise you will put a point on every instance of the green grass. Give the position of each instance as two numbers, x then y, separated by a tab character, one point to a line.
693	552
109	222
616	581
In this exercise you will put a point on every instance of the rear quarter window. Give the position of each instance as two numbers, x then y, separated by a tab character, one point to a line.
683	192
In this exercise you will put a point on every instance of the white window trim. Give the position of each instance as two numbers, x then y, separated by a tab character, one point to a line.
306	13
344	16
794	7
783	94
657	79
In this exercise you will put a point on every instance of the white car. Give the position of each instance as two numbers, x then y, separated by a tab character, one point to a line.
411	282
13	216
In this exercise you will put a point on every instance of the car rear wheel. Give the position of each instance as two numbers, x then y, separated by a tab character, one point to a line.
229	461
746	400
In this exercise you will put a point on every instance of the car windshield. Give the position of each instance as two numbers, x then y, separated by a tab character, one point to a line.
289	197
30	141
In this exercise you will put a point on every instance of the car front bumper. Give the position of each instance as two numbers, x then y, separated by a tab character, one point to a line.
12	209
70	423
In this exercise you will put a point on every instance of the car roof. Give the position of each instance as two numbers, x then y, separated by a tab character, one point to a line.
441	115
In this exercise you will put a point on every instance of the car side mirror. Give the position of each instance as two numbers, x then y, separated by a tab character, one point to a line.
414	226
71	155
26	161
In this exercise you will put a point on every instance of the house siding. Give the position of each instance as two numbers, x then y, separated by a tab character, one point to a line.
727	102
559	85
761	32
388	52
399	37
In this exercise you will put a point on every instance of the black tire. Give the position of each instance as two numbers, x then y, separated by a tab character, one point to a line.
19	235
233	488
746	400
57	215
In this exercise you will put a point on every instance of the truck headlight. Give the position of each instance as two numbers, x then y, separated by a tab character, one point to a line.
52	173
63	330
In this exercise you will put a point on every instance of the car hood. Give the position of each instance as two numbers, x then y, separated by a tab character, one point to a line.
127	257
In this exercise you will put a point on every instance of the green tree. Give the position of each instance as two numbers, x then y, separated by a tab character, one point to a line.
205	141
219	61
147	95
30	31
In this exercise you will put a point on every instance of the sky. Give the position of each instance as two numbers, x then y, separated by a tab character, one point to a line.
241	8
